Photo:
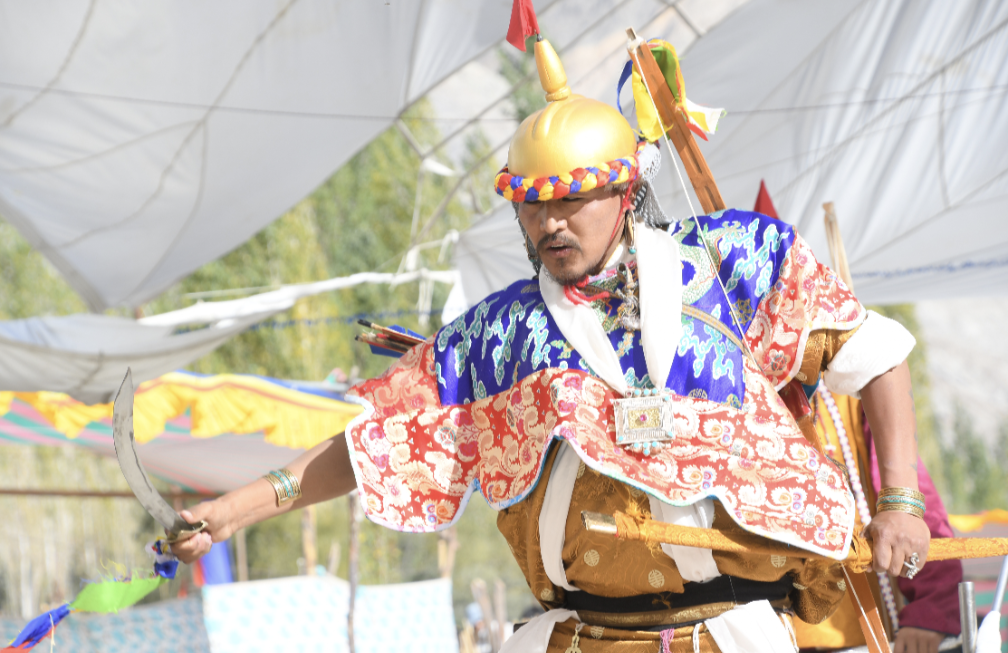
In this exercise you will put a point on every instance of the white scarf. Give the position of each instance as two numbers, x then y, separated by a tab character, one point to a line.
659	271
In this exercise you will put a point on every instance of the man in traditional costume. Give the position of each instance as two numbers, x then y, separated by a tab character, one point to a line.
637	372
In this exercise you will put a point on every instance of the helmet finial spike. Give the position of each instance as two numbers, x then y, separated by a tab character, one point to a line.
551	72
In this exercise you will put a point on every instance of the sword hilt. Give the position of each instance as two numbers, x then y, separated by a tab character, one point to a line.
186	533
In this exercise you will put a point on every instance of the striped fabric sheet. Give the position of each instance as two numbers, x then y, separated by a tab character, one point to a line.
201	457
175	625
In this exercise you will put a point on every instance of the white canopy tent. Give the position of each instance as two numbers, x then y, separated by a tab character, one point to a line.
893	110
86	356
140	141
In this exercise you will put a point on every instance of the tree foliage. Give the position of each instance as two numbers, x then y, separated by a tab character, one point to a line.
975	472
29	285
969	473
357	220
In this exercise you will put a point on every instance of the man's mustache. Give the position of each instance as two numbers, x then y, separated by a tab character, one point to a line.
557	240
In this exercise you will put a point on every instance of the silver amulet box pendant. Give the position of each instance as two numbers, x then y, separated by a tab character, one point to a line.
650	420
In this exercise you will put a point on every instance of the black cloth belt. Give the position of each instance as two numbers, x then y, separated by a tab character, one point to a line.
722	588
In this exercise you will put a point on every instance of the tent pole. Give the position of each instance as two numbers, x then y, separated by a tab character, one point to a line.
838	253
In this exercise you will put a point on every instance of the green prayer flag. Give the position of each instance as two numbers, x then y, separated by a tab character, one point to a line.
668	63
112	596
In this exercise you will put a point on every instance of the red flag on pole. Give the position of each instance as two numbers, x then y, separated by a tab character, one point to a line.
763	203
523	23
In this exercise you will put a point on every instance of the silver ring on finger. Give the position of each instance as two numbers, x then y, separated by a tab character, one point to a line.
911	566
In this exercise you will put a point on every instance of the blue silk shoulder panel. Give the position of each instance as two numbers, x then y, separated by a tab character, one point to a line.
510	334
506	337
751	247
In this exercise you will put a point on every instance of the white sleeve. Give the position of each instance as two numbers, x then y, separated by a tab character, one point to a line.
878	345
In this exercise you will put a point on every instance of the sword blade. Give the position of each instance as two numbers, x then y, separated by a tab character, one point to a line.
133	469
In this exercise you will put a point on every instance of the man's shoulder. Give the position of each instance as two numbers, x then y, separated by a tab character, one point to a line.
748	221
749	248
523	290
736	234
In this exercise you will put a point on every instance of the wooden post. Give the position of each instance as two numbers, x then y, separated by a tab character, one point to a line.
673	119
447	546
332	565
309	546
500	607
838	253
482	597
176	492
241	555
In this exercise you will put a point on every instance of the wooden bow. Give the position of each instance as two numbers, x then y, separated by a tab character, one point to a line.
673	123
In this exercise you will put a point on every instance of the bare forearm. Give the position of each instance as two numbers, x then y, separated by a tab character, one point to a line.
888	404
324	473
897	537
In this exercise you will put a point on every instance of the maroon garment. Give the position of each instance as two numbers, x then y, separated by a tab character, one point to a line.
933	595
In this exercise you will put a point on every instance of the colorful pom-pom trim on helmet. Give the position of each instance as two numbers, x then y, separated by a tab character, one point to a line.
580	180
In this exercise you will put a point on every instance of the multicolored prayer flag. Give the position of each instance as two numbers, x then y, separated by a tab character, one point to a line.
105	596
702	120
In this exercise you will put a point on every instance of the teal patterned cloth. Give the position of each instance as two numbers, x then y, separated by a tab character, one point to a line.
175	625
300	613
305	614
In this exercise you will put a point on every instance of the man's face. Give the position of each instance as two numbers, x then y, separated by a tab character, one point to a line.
572	235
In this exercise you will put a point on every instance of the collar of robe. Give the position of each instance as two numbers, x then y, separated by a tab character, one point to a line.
660	277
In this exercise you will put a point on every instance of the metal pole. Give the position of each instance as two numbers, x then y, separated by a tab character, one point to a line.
352	563
967	617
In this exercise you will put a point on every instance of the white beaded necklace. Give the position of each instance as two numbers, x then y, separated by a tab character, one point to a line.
885	586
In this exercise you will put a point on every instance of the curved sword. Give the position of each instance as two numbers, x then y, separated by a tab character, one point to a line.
177	528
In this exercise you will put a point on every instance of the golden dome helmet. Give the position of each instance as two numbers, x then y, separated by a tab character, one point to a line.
572	145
